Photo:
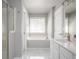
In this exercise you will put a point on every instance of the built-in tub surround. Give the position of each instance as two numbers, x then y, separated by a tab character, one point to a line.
38	43
37	36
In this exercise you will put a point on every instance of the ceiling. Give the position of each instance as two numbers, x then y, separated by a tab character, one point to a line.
40	6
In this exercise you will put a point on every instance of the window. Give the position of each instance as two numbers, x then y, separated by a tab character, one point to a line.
37	25
37	28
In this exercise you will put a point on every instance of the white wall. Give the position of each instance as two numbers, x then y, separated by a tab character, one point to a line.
25	24
59	22
50	30
55	26
17	38
50	24
11	45
22	20
4	32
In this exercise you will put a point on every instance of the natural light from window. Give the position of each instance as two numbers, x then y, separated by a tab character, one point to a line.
37	25
37	28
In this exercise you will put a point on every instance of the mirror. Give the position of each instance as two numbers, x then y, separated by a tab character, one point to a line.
70	20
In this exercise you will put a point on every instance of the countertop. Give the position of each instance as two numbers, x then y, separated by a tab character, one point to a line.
70	46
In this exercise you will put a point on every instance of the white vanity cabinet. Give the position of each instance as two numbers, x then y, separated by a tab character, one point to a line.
62	53
65	54
56	51
74	57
